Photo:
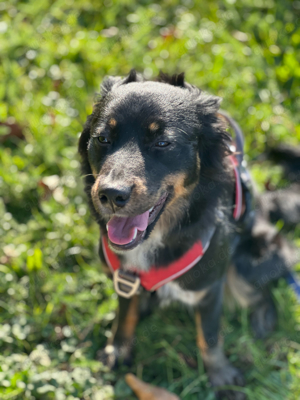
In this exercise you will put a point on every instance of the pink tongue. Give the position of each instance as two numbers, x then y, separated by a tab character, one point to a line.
121	230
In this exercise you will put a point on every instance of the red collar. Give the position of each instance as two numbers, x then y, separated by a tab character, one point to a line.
156	276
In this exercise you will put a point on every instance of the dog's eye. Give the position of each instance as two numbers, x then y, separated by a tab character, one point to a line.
103	140
162	144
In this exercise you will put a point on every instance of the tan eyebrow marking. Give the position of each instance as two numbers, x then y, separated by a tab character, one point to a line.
112	122
153	126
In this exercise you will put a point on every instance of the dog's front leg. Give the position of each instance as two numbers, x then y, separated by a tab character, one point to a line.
219	369
119	347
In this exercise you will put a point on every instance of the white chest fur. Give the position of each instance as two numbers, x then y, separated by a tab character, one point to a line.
141	257
173	292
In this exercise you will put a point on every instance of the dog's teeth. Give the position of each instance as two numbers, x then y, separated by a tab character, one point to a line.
151	209
135	234
107	227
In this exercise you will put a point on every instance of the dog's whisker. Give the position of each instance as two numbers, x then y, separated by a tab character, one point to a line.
84	176
181	130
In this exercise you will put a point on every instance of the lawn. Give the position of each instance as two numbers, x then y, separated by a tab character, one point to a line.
56	305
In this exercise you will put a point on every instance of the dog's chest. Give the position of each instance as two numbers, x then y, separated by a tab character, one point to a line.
138	259
171	292
141	258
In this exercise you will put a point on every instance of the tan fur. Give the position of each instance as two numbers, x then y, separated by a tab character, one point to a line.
198	161
112	123
244	294
129	324
213	357
180	190
153	126
201	343
95	188
171	215
94	171
140	187
179	203
94	193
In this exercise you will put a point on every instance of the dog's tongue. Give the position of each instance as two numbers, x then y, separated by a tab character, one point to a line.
122	230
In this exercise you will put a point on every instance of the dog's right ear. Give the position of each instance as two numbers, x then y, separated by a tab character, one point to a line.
83	152
84	138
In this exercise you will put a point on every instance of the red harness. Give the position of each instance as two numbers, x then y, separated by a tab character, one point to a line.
156	276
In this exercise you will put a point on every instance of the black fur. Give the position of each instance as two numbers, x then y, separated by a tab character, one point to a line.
284	204
197	176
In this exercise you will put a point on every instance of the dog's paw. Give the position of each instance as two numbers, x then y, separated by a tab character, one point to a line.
113	355
263	319
227	376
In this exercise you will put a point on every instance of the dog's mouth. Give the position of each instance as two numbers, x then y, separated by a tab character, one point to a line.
125	233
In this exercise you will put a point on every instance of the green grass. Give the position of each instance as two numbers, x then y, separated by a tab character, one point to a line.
56	305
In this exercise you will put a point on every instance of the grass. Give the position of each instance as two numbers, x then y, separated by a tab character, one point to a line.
56	305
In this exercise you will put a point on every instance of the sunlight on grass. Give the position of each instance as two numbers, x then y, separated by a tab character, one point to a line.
56	305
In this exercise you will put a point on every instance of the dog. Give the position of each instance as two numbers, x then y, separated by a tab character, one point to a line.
173	201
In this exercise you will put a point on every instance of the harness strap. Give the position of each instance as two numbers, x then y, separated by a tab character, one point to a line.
156	276
239	138
238	189
241	176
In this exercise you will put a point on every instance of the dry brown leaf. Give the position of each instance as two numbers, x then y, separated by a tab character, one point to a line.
144	391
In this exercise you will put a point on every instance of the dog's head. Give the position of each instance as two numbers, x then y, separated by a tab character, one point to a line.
146	148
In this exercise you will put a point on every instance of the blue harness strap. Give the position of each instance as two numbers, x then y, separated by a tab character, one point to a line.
294	283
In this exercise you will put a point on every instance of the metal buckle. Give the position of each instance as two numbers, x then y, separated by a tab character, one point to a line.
126	284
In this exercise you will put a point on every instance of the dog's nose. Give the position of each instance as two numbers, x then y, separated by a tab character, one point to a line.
118	197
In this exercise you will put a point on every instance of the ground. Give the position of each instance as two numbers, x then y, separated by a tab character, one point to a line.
56	305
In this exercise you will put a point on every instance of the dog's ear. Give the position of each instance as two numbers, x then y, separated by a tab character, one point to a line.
213	145
207	104
113	81
132	77
82	149
108	84
174	80
84	138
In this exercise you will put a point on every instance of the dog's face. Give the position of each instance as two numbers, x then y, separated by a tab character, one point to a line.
142	144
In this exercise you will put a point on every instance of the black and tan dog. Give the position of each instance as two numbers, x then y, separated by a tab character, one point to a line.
162	184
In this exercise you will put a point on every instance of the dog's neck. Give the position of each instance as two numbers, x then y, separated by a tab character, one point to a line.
143	256
159	245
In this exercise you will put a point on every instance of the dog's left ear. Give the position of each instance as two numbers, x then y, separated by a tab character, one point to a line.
113	81
207	104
